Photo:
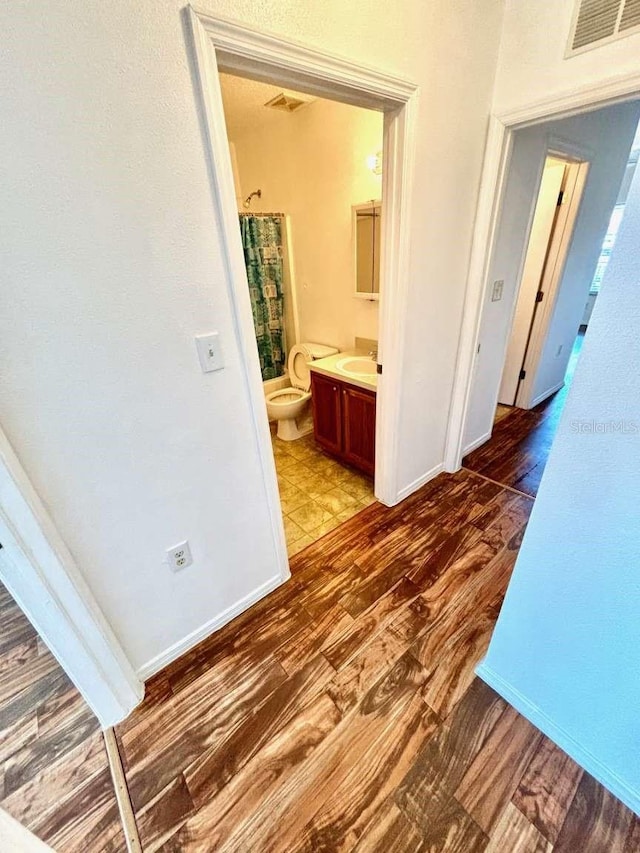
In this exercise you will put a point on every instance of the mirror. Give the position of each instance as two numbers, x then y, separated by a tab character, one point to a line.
367	233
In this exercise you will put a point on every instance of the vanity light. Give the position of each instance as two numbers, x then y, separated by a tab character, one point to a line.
374	162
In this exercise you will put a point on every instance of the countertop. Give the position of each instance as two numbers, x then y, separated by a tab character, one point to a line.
329	367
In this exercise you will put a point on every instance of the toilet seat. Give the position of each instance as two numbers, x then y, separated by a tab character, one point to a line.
287	395
299	373
298	362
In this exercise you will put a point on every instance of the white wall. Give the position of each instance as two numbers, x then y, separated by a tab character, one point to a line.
532	66
312	165
608	134
111	261
566	644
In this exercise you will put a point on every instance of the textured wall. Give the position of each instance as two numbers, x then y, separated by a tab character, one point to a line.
568	634
111	262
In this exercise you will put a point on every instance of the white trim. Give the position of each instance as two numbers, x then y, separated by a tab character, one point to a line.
224	195
16	838
492	187
263	56
42	576
476	443
187	643
499	143
546	394
629	796
421	481
557	253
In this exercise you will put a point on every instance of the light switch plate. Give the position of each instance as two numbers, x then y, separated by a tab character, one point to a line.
210	352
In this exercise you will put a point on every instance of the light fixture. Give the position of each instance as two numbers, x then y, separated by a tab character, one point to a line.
374	162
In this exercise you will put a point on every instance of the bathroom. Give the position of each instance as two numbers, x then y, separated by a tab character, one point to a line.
308	183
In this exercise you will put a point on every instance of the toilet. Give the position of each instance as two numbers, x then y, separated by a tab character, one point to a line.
289	406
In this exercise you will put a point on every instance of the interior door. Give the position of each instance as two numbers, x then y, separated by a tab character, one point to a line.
541	229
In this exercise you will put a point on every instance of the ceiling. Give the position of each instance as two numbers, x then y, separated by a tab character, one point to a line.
244	102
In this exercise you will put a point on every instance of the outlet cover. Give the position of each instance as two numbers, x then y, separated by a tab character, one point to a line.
210	352
179	557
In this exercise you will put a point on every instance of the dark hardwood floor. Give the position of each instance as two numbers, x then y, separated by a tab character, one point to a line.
54	773
519	447
342	713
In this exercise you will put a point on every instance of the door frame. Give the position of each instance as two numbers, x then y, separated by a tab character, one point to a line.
495	170
40	573
558	251
221	43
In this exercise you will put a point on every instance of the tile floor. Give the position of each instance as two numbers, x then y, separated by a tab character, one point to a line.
317	493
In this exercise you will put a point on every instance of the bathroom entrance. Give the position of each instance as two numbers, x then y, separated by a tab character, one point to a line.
308	175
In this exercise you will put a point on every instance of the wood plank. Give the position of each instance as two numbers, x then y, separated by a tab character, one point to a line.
345	816
390	831
158	750
596	821
547	788
515	834
361	631
368	667
313	637
276	825
259	782
447	826
27	762
443	761
494	774
160	819
213	769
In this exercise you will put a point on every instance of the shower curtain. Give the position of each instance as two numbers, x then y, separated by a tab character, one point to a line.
262	243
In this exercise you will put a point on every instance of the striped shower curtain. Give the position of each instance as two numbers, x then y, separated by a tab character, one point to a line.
262	244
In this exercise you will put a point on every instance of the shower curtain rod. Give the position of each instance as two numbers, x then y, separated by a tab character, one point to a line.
282	215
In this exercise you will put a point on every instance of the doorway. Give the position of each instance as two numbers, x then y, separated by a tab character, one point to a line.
524	383
222	46
543	262
308	176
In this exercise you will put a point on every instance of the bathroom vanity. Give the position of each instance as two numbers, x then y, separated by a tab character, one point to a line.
343	395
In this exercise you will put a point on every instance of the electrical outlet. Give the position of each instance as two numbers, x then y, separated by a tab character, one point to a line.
179	557
496	293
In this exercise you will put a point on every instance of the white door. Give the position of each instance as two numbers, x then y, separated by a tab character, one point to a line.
541	229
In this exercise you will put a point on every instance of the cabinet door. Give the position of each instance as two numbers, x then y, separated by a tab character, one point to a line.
327	415
359	435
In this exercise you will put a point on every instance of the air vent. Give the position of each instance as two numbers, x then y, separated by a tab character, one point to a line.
599	21
288	103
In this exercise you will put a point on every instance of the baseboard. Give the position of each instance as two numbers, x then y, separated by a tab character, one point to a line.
476	443
559	736
421	481
546	394
182	646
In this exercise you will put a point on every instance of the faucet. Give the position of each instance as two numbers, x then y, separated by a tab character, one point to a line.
374	354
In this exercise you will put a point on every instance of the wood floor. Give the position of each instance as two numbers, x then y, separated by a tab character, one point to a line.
54	774
517	452
341	713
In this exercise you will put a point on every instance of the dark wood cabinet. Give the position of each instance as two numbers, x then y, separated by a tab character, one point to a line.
344	421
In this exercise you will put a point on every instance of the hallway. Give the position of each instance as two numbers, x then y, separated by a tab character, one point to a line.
342	713
517	452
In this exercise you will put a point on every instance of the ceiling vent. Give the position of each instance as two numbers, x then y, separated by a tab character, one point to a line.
288	103
599	21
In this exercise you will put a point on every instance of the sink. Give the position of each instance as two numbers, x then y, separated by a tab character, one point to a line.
357	365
